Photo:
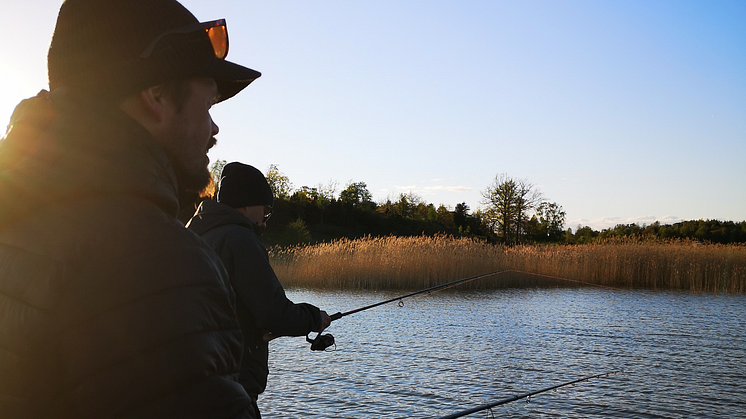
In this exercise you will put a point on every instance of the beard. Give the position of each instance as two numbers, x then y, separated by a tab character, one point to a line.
192	173
190	194
190	184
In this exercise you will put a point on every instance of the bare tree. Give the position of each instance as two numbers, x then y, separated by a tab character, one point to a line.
509	203
499	197
328	191
527	200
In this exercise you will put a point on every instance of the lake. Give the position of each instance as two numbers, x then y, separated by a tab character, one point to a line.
682	355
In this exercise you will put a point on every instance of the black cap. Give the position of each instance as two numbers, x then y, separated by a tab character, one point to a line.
97	47
242	185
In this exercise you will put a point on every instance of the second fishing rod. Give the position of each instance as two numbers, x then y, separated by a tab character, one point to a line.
323	341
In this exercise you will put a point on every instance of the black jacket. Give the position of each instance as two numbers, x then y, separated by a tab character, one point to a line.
261	303
109	307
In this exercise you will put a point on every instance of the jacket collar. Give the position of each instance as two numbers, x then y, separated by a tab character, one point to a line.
212	214
63	146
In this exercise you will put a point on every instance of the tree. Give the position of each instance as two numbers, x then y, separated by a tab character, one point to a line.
509	203
569	237
465	223
445	217
386	208
327	192
357	195
653	230
410	205
500	198
585	234
293	233
527	200
551	218
460	213
216	170
325	197
278	182
304	195
429	212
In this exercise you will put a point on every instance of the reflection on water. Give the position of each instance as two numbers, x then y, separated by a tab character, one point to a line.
683	356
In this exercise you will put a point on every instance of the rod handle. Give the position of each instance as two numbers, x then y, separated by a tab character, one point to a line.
336	316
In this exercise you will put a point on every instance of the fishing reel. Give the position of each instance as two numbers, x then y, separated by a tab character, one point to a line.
320	342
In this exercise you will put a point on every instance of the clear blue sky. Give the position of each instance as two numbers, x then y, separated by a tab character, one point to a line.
619	111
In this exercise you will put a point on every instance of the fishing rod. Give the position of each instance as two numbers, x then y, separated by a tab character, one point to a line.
526	396
430	290
321	342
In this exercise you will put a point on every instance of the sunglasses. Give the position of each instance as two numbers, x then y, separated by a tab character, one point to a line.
216	30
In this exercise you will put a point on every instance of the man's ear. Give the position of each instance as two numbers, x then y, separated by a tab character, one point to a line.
153	99
150	107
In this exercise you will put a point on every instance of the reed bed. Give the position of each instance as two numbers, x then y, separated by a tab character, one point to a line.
422	262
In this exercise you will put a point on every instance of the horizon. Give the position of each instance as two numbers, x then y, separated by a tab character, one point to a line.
621	113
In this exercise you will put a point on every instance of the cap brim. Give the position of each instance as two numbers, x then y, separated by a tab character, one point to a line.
230	77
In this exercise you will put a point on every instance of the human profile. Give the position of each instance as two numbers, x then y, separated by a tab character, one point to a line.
232	225
109	307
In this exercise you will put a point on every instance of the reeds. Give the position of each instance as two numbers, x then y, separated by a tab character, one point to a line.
422	262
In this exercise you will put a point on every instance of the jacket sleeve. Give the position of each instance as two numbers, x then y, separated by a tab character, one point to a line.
258	288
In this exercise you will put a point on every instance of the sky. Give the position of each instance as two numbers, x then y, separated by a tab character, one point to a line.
620	112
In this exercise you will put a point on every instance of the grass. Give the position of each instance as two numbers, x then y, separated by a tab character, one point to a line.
422	262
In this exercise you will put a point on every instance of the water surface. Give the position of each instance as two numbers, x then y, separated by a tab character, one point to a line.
683	356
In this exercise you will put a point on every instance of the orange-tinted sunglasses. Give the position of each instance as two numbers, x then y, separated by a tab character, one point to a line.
216	30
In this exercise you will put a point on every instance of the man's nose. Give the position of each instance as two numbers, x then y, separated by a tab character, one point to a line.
215	128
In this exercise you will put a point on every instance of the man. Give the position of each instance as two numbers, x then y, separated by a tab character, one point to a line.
109	307
232	226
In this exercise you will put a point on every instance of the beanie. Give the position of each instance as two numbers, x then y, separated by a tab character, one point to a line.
242	185
97	48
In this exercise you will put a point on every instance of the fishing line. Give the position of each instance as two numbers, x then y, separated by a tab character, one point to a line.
430	290
565	279
526	396
452	284
321	342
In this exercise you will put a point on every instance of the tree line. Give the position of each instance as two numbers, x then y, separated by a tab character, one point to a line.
514	212
711	231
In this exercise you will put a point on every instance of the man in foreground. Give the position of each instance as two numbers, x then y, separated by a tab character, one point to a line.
232	226
109	308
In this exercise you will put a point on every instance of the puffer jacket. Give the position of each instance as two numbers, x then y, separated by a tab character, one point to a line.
109	307
261	303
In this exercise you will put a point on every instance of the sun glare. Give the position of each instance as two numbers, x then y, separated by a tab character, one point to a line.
23	59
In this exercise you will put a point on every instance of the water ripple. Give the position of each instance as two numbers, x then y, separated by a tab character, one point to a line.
683	355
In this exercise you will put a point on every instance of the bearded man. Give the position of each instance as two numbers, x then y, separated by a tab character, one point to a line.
109	307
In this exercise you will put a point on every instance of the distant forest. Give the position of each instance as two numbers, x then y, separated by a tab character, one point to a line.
514	213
